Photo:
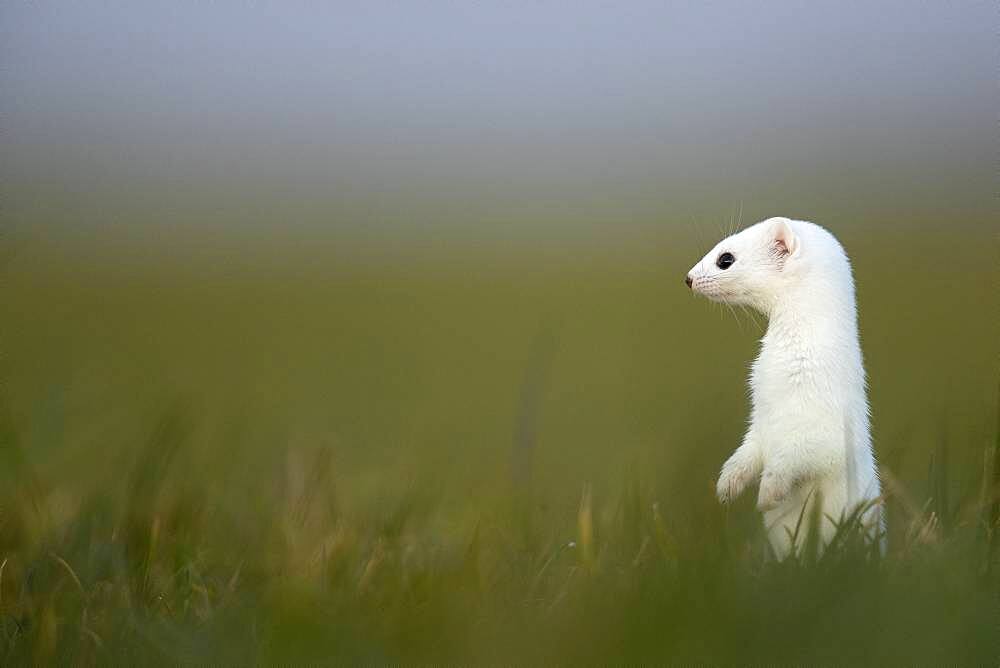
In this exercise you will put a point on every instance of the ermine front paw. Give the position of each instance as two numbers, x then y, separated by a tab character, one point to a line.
736	474
774	489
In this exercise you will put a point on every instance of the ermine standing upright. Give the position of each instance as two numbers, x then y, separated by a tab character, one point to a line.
809	435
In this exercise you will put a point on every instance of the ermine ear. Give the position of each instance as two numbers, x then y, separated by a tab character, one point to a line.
784	237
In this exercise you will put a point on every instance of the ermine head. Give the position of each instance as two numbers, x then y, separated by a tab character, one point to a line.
752	266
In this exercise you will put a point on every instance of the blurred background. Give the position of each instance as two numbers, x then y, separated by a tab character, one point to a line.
444	243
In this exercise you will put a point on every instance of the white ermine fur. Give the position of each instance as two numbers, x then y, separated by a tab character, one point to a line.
809	435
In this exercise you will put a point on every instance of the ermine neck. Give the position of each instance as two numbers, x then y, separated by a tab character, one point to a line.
814	316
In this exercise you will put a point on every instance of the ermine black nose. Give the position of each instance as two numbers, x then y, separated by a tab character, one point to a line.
687	281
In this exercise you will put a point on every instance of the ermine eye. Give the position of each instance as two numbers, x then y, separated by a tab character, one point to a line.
725	261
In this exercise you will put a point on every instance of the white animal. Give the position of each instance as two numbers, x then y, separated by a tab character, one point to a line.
809	435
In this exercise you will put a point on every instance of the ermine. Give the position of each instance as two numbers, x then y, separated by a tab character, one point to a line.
809	436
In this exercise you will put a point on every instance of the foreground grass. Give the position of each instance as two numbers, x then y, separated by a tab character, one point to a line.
155	569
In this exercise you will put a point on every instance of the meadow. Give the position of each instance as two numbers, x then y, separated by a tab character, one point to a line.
468	453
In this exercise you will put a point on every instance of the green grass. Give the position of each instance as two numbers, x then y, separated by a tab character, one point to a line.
474	456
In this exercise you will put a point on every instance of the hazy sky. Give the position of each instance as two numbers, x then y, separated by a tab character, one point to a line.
485	111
